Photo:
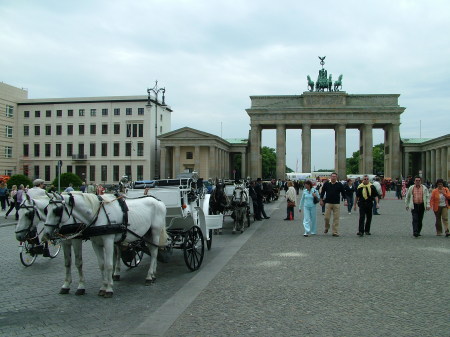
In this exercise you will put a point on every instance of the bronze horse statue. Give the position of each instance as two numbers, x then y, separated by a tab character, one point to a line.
310	83
338	83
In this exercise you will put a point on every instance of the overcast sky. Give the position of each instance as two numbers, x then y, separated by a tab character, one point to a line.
212	55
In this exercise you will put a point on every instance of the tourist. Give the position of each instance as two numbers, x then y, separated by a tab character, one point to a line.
69	188
417	199
83	187
259	199
366	195
3	195
376	183
439	202
333	190
91	188
12	200
291	196
398	189
349	189
254	197
309	208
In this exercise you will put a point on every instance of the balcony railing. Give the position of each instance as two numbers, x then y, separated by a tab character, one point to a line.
79	157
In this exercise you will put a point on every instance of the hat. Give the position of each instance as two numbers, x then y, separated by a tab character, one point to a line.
258	179
37	182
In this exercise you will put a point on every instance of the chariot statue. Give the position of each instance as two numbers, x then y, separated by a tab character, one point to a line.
323	81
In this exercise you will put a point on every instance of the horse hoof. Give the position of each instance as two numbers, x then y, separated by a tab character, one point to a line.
64	291
108	294
101	293
149	282
80	292
116	277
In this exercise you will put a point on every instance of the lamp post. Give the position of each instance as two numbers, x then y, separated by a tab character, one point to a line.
155	90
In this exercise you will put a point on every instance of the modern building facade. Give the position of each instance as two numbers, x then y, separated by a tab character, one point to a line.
101	139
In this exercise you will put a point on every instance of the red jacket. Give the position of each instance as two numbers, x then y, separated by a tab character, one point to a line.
434	200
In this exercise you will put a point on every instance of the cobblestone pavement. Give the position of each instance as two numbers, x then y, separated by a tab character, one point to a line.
274	282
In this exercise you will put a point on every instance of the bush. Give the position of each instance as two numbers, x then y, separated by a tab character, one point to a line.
68	178
18	179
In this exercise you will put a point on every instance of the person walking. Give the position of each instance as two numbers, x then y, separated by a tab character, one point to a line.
376	183
350	190
12	200
417	199
259	199
439	202
254	197
366	195
398	189
291	196
3	195
333	190
309	208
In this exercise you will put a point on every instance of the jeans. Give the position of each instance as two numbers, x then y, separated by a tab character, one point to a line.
417	217
349	203
365	215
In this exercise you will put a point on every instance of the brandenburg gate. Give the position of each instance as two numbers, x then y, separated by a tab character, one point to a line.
326	108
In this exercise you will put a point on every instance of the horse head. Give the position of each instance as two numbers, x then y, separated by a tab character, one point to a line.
58	213
31	211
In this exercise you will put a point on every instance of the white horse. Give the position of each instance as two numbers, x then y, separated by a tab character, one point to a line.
239	203
31	212
106	217
68	244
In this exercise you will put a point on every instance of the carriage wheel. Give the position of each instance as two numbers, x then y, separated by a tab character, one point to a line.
209	241
135	261
26	257
54	246
194	248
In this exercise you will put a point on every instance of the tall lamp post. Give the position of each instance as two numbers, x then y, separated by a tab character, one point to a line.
155	90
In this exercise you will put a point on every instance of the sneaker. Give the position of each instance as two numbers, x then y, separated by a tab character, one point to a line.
335	234
349	213
368	233
360	234
305	235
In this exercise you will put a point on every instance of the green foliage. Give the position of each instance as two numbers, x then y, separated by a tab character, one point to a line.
269	162
18	179
289	170
68	178
378	161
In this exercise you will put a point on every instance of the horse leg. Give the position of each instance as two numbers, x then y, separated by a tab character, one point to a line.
153	256
97	245
108	247
116	263
66	245
78	252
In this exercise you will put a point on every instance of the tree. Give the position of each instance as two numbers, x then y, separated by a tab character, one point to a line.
269	162
68	178
19	179
378	161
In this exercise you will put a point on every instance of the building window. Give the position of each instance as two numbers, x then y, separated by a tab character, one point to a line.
70	113
36	172
117	129
26	150
104	129
140	149
104	150
116	112
140	111
128	149
160	118
81	112
37	149
128	171
116	151
69	169
135	130
104	112
48	150
37	130
26	170
69	129
93	129
92	173
58	113
140	172
116	173
93	112
104	173
128	111
48	130
37	114
69	149
189	155
92	149
81	150
26	114
48	113
9	111
8	151
58	150
47	173
59	130
9	131
26	130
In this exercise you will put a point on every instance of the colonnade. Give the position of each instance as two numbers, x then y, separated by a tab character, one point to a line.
432	164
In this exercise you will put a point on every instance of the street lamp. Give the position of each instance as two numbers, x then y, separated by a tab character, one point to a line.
155	90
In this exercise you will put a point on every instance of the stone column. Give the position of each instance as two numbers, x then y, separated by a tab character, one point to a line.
368	149
447	166
243	165
211	163
433	166
395	150
428	165
176	161
197	160
162	162
406	163
281	152
255	151
341	168
306	148
361	168
438	165
387	151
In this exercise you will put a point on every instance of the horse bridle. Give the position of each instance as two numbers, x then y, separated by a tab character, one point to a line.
61	206
30	214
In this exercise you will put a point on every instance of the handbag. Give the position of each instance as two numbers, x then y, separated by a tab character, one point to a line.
315	198
291	203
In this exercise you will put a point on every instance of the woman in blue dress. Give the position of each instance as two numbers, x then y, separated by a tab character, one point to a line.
309	209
